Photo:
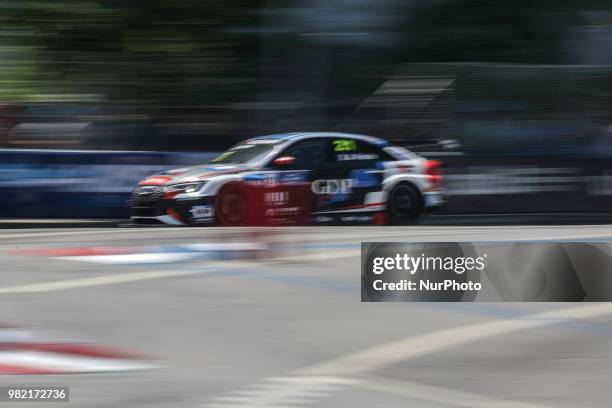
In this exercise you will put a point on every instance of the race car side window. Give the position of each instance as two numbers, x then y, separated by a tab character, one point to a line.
308	153
352	150
399	153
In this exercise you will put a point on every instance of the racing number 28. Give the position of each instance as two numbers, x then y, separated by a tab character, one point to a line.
344	145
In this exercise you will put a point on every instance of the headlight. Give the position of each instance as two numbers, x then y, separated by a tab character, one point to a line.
185	187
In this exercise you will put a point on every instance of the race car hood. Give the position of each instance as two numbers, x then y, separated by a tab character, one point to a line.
191	174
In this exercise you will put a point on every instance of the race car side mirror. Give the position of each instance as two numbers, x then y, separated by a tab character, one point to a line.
284	161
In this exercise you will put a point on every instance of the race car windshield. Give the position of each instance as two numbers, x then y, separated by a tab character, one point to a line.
246	152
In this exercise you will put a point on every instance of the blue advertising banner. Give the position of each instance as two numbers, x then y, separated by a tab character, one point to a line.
70	183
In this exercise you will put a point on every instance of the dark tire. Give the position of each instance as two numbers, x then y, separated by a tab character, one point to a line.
404	204
233	205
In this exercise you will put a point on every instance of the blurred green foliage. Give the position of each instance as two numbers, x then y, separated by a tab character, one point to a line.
199	52
518	31
124	50
232	68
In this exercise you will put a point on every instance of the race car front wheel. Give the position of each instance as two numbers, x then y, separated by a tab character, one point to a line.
404	204
233	204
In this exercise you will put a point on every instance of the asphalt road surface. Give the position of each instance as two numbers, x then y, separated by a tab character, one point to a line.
273	318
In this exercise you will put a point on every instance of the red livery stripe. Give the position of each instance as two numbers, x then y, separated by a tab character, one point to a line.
89	350
156	180
78	251
17	370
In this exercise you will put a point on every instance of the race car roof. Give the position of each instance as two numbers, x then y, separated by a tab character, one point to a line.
304	135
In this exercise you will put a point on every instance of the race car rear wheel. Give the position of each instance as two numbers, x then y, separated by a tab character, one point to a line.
404	204
233	204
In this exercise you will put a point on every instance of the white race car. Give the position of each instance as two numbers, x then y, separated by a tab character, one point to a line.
295	178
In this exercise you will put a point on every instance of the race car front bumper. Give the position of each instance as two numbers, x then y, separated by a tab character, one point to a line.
151	207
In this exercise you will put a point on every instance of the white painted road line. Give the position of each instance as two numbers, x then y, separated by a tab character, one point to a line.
211	267
362	362
378	357
440	395
55	286
105	280
282	392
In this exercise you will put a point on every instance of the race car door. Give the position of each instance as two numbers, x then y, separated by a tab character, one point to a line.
351	181
358	164
309	161
344	175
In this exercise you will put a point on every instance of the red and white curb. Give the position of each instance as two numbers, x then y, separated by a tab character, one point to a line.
24	351
151	254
